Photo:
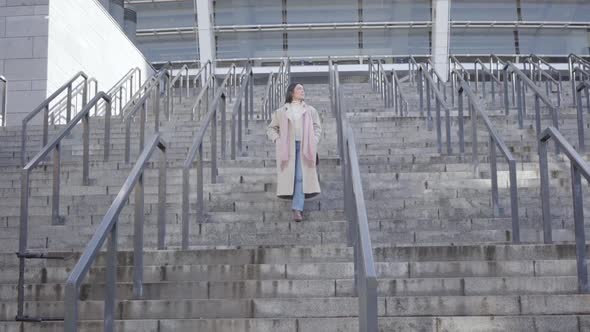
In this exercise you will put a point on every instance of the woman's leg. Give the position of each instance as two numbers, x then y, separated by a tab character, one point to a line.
298	196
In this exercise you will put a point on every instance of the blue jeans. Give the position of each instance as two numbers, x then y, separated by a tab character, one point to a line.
298	196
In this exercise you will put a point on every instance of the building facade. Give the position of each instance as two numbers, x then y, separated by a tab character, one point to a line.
167	29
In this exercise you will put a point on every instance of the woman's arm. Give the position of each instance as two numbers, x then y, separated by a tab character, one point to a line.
272	131
317	126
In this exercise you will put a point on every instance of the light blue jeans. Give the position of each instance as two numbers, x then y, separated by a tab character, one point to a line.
298	196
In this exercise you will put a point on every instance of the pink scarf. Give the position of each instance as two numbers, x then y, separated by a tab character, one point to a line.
307	141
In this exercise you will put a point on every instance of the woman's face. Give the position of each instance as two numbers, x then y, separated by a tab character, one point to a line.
298	92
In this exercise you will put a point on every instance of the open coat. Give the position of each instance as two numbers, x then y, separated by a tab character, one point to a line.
286	176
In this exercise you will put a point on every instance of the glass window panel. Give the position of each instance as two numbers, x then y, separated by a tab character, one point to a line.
248	12
481	41
562	10
165	15
322	11
323	42
396	10
169	48
495	10
249	44
554	42
396	42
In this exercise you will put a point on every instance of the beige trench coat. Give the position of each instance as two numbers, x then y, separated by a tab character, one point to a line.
286	177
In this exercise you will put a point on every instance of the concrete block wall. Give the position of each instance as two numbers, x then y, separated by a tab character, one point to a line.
43	43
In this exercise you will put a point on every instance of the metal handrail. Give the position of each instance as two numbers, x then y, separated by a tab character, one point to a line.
540	61
44	106
439	79
412	66
199	100
399	96
539	75
108	226
585	86
483	82
495	141
119	87
379	81
3	106
56	112
579	167
365	277
217	105
499	70
521	80
583	68
453	64
266	100
430	87
173	81
246	93
55	146
206	69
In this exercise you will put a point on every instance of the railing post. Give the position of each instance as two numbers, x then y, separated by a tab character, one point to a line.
448	129
185	206
138	239
506	101
428	107
45	125
71	310
239	130
127	140
461	122
232	131
162	200
86	149
474	148
223	109
582	264
200	205
514	202
438	127
251	95
494	174
580	118
111	281
545	203
214	144
55	218
69	104
23	237
107	130
520	96
246	103
421	92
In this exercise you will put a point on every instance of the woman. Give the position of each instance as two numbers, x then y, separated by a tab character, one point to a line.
295	129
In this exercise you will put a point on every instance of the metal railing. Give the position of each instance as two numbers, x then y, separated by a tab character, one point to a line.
537	73
44	107
58	112
151	93
574	61
204	73
494	59
439	80
583	75
400	102
388	85
107	229
244	104
55	146
456	68
521	80
3	100
183	70
579	167
365	277
123	92
203	99
431	90
540	62
585	87
217	107
276	89
163	75
475	111
492	79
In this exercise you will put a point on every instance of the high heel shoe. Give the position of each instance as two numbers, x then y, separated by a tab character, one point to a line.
297	216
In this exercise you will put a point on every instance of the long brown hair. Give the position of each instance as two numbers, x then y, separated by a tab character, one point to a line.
290	91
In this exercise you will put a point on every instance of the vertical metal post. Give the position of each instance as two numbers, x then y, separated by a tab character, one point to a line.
138	240
239	130
506	102
200	206
428	107
520	96
438	127
142	116
185	206
69	104
494	174
55	219
214	144
580	118
448	128
111	280
545	203
45	124
223	108
420	92
245	102
582	264
162	200
514	202
107	130
251	95
537	116
232	142
156	106
86	148
474	152
461	122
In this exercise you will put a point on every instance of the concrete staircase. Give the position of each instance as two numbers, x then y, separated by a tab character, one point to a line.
444	261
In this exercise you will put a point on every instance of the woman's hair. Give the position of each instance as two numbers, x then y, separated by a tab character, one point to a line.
290	91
